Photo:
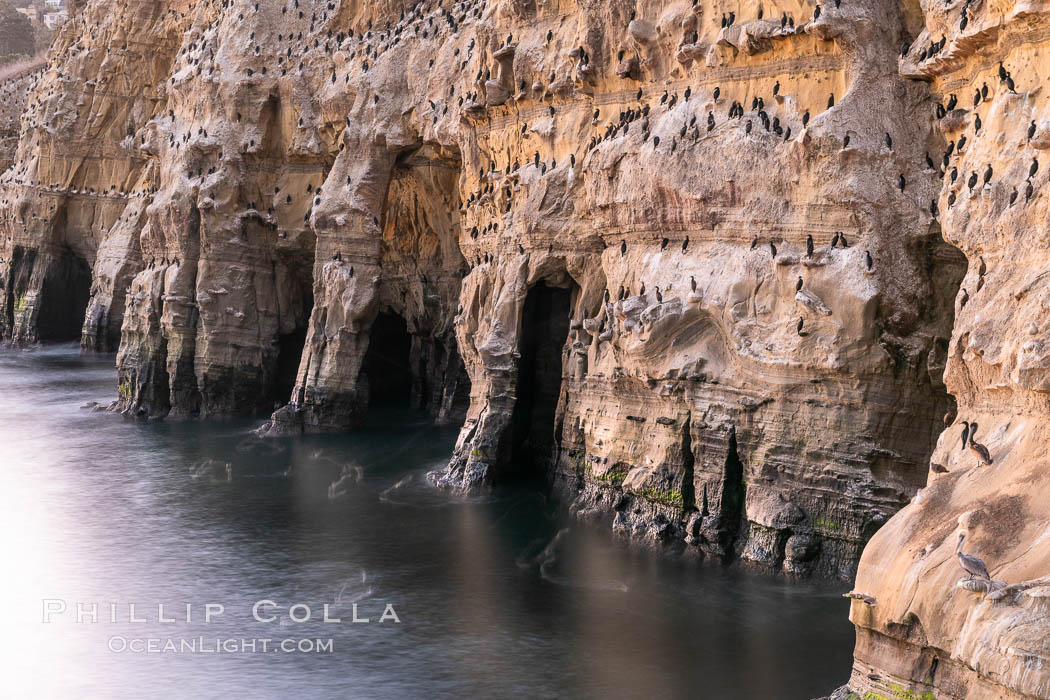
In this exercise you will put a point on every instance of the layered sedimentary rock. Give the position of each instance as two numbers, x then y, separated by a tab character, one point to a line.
16	82
699	263
690	270
931	628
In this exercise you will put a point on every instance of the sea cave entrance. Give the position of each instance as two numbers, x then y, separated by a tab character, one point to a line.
544	330
64	298
387	365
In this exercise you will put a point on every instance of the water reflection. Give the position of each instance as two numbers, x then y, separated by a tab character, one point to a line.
499	595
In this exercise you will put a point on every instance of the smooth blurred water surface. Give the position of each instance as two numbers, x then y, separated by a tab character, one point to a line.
500	595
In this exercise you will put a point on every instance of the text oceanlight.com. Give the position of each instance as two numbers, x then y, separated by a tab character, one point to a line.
218	645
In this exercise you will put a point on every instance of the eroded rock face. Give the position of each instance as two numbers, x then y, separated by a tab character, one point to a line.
931	630
17	80
699	264
666	261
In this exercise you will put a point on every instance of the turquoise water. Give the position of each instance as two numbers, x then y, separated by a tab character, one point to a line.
497	595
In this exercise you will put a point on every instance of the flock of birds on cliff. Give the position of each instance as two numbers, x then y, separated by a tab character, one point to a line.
429	20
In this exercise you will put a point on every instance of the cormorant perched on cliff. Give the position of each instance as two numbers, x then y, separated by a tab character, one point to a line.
1034	167
952	101
798	285
754	242
988	174
1031	130
521	249
1028	191
965	435
717	92
659	296
831	100
692	283
805	119
972	181
772	249
868	260
970	564
809	244
685	243
623	248
901	182
929	162
816	13
835	239
664	242
845	141
351	271
688	92
977	449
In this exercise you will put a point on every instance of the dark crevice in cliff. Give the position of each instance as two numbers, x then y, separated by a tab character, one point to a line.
387	368
544	328
64	298
688	462
733	495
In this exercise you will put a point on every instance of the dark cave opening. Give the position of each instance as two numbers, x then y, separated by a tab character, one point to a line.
289	353
64	298
387	365
544	330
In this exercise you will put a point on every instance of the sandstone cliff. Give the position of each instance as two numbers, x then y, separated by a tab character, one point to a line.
930	630
699	263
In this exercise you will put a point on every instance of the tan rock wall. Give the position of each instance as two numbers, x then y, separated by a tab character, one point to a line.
251	184
927	632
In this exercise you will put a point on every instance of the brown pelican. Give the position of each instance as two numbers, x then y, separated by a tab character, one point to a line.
979	451
970	564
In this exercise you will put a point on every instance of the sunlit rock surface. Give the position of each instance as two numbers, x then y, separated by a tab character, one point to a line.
932	630
698	270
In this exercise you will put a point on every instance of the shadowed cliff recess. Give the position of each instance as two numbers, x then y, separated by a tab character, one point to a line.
721	273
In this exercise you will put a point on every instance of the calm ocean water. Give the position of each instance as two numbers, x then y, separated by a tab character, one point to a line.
498	595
